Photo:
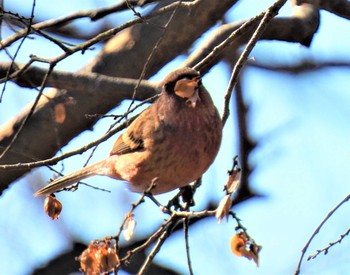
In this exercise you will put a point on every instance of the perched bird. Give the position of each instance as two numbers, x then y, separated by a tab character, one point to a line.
174	140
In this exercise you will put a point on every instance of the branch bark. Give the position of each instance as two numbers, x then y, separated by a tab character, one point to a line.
88	82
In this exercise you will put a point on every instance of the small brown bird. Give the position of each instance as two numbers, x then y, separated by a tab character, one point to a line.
175	140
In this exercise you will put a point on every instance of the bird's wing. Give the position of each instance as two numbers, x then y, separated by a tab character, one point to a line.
132	139
127	143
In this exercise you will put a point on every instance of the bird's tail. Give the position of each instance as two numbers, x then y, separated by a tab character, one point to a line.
86	172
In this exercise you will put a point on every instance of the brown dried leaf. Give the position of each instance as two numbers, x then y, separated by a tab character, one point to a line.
223	209
52	207
241	246
100	257
88	261
255	249
107	258
239	243
233	181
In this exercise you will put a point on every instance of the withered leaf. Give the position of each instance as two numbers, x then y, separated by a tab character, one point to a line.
223	209
233	181
242	247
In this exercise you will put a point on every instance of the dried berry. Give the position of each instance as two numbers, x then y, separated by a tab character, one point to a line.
52	207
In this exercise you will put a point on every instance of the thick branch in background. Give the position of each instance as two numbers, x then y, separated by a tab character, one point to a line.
246	144
338	7
124	56
80	82
61	26
299	28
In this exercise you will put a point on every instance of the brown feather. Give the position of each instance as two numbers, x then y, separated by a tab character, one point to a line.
127	143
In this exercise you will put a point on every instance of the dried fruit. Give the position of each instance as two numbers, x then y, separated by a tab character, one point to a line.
52	207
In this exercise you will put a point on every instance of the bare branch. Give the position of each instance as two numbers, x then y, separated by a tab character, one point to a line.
217	50
301	67
186	225
326	249
346	199
51	161
154	50
268	15
165	234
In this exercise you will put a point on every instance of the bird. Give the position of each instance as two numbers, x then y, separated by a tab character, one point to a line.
174	140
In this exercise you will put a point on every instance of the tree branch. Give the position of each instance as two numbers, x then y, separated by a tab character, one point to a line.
317	230
81	82
124	56
338	7
60	22
302	66
300	28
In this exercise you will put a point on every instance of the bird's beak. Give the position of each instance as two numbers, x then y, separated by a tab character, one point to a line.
188	88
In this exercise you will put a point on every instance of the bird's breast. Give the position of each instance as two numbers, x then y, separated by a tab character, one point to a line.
178	152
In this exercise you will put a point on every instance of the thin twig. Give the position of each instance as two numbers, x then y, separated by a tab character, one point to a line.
78	151
131	7
54	160
186	225
240	225
135	205
90	186
94	15
302	67
107	34
347	198
268	15
115	123
17	51
217	50
154	236
154	50
325	249
157	247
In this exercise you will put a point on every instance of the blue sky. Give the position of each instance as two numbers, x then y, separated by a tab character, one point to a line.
302	128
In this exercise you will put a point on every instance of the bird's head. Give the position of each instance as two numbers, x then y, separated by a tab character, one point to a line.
183	83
